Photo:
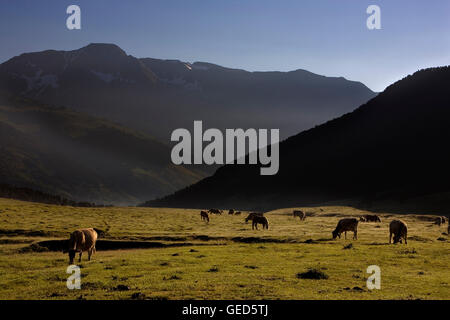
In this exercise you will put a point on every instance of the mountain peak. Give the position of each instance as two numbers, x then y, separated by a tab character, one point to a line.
103	49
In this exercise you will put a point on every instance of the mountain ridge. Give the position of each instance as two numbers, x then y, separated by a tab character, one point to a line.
101	79
364	156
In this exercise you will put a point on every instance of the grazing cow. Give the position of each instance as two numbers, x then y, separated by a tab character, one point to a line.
261	220
252	215
82	240
215	211
399	229
371	218
344	225
300	214
204	216
237	213
231	211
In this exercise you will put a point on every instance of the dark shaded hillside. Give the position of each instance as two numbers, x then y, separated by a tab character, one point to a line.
79	157
26	194
393	148
157	96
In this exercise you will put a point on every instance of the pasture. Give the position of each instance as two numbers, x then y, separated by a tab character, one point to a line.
186	258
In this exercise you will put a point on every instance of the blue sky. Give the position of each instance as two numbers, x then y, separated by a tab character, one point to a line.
327	37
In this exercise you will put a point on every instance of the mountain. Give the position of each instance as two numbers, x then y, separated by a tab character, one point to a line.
393	148
80	157
157	96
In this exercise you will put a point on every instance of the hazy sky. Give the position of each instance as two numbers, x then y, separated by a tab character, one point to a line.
327	37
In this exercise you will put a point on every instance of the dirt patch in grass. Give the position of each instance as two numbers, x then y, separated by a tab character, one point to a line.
214	269
174	277
15	241
419	239
262	240
28	233
408	251
313	274
33	248
102	245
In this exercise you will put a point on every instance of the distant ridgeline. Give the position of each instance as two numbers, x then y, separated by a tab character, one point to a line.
26	194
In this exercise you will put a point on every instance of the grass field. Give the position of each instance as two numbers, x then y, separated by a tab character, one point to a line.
224	259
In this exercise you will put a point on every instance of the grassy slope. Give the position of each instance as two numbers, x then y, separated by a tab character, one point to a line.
245	270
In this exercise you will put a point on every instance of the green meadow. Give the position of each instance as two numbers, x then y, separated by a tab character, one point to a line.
222	259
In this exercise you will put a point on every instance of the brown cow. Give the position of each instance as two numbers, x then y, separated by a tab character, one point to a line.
344	225
261	220
300	214
231	211
252	215
204	216
82	240
371	218
215	211
399	229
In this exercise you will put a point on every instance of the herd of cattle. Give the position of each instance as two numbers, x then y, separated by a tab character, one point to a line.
85	239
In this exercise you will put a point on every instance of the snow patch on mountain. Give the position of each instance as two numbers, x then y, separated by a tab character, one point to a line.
39	81
109	77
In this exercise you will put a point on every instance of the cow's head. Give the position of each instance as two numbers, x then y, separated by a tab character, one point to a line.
335	234
71	256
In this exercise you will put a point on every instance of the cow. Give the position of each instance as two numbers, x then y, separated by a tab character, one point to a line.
438	221
252	215
215	211
204	216
231	211
399	229
82	240
344	225
362	219
371	218
300	214
261	220
237	213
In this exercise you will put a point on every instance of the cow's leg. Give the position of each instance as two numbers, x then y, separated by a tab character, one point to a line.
89	254
406	241
81	252
345	234
355	235
390	237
